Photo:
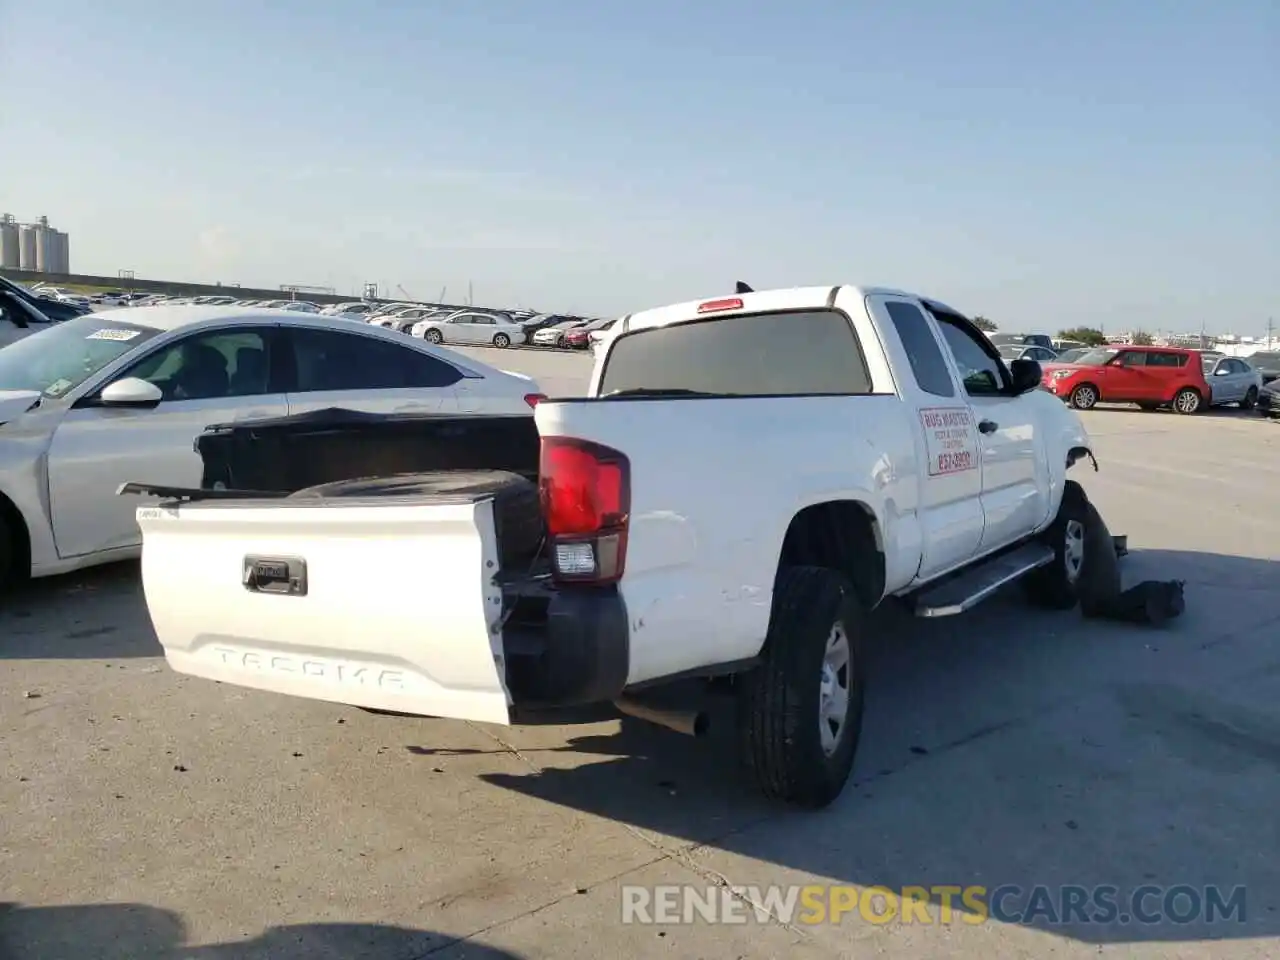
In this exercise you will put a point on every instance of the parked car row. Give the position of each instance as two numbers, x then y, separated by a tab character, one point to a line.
1153	377
498	328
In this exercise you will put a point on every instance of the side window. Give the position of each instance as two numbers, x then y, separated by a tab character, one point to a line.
328	360
927	362
1131	358
1166	360
980	372
1238	366
208	366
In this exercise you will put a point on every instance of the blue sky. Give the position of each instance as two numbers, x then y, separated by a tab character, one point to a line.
1045	164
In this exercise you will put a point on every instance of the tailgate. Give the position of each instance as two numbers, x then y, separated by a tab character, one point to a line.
385	604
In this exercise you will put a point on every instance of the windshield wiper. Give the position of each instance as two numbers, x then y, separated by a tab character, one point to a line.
663	392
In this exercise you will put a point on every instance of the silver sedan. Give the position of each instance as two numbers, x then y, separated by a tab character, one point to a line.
120	395
1232	380
472	327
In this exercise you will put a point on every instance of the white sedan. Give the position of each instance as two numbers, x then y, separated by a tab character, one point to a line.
471	326
119	395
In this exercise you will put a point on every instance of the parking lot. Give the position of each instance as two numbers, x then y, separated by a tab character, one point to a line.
147	815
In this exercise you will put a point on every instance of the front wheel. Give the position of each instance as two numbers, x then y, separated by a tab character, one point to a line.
501	341
1250	399
1187	401
434	336
800	710
1084	397
1055	585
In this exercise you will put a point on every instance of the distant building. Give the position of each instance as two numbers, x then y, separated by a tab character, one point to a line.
33	246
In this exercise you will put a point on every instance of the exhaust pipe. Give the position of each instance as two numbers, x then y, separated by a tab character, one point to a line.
693	723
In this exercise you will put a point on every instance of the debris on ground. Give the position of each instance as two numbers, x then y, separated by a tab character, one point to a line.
1102	593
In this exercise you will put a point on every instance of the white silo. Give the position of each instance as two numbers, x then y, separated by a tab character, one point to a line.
27	247
10	255
63	259
42	248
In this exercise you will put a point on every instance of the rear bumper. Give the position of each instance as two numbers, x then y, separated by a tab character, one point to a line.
565	648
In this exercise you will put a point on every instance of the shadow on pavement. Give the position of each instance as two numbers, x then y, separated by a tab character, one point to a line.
1010	747
128	931
98	613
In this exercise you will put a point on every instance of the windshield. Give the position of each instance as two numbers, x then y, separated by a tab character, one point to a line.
1012	351
1096	358
62	357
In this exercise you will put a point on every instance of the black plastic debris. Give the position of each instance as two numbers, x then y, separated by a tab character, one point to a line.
1102	593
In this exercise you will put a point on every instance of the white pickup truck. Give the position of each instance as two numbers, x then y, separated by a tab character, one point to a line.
748	477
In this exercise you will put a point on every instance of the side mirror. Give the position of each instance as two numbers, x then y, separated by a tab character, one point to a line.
130	392
1026	375
1220	372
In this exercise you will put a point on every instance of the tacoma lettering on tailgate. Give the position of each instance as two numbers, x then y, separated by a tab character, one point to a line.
330	671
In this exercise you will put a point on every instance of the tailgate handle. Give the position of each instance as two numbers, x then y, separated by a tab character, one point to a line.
286	576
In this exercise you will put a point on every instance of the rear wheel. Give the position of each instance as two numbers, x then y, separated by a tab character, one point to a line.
1187	401
434	336
501	340
800	710
1055	585
1084	397
1250	399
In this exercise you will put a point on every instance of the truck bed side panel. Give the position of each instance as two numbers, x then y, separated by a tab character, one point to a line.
715	483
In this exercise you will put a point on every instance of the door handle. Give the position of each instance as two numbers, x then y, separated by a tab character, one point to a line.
987	426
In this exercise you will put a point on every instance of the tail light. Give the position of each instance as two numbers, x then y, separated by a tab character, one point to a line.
533	399
585	490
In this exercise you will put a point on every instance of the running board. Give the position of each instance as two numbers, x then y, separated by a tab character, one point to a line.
976	584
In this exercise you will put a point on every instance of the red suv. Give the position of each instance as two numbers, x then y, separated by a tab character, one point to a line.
1151	377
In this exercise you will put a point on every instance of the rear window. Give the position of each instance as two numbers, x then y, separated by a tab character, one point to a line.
807	352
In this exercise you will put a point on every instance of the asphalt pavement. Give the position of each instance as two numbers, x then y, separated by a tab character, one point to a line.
1035	755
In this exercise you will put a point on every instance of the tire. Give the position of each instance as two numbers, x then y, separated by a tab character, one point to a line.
1055	586
1084	397
560	343
1250	399
780	702
501	341
1187	401
433	336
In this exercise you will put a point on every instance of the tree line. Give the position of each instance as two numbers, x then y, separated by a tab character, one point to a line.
1089	336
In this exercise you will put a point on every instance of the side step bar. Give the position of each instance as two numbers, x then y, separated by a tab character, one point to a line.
977	583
